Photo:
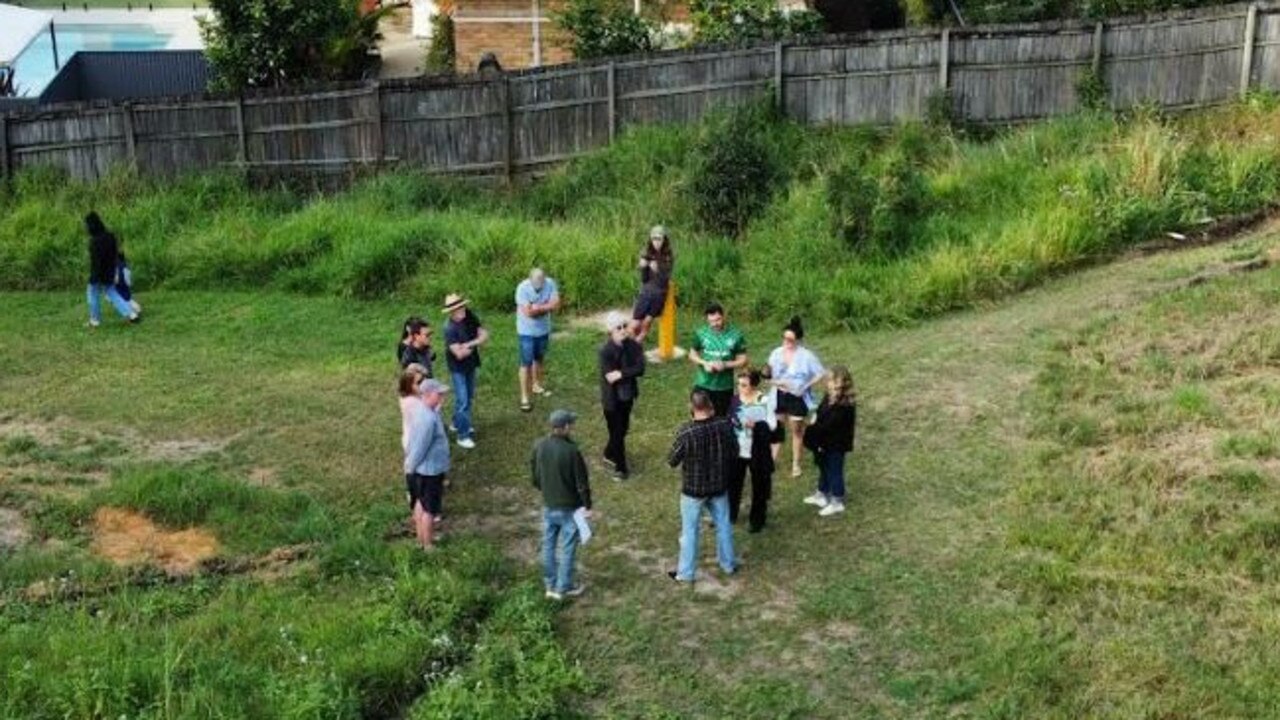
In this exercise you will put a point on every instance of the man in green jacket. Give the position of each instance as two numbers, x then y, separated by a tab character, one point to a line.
560	472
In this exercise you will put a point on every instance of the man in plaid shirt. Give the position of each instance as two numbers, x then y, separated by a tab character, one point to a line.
704	449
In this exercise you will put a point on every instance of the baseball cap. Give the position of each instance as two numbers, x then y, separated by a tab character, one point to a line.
432	385
561	419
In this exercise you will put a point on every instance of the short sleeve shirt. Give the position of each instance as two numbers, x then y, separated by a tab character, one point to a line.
526	294
461	332
714	346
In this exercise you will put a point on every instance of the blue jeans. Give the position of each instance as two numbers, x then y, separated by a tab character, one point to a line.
464	395
558	524
95	303
690	514
533	348
831	474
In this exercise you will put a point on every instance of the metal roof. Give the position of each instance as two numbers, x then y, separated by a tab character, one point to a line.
20	27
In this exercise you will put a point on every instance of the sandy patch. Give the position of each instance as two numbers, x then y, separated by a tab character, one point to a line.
67	434
128	538
13	530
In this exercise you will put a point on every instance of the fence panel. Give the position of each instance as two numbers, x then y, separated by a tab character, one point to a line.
879	82
559	115
316	129
171	139
1174	64
85	143
446	128
1004	78
683	88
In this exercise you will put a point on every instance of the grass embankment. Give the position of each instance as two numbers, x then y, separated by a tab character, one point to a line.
863	228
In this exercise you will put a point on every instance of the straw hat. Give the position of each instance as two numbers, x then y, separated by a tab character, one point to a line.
453	301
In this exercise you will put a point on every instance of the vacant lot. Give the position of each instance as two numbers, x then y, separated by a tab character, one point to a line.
1064	505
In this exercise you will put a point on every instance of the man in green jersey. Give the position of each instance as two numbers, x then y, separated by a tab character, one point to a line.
718	350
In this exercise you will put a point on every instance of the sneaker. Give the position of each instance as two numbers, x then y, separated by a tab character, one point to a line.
575	591
675	577
832	508
816	499
135	318
553	595
135	307
453	429
467	443
93	324
619	475
539	390
796	471
525	406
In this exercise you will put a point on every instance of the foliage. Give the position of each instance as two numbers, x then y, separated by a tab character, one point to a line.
735	171
601	28
442	55
1091	90
747	21
876	205
273	43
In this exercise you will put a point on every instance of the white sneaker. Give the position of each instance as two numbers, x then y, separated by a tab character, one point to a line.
576	590
816	499
832	508
453	429
94	323
553	595
133	304
539	390
467	443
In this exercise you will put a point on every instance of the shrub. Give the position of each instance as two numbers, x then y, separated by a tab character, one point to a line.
735	170
747	21
600	28
876	205
442	55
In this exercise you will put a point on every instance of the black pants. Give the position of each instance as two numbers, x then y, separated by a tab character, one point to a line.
618	419
720	400
761	489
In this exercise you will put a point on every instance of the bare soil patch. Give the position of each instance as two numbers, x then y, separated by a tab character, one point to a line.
62	432
128	538
13	530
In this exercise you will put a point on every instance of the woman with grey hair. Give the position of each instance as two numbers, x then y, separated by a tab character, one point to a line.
621	362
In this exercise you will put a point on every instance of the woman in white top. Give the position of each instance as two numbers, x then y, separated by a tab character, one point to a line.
796	370
754	417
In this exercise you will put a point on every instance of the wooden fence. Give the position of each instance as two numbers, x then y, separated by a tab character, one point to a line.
524	121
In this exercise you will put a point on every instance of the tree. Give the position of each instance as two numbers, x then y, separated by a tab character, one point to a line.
600	28
745	21
271	43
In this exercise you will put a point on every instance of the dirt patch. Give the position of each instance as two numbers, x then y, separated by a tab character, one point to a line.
67	434
128	538
13	530
263	476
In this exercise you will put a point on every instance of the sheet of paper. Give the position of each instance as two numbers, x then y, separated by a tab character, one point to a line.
584	527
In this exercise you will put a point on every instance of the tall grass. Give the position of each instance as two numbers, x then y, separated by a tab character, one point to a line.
954	220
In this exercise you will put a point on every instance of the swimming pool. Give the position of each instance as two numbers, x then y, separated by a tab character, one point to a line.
34	67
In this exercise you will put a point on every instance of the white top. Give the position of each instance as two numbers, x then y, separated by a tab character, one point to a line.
803	369
20	27
763	408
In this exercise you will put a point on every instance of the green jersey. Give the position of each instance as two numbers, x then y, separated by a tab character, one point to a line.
714	346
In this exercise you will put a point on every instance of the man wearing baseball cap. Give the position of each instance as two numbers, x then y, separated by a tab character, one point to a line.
560	472
426	460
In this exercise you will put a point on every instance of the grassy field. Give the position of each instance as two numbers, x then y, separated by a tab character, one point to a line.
1063	505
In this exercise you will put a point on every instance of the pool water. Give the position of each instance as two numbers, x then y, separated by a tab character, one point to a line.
34	67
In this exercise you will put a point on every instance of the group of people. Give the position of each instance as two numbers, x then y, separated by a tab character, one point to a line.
740	415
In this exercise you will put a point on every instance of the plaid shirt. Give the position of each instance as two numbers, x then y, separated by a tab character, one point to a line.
705	451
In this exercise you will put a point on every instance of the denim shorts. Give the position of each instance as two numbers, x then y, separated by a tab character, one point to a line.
533	348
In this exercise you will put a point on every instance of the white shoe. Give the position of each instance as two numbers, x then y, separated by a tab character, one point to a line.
576	590
94	323
539	390
453	429
133	304
832	508
816	499
553	595
467	443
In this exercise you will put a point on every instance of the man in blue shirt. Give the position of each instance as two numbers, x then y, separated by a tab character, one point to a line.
536	298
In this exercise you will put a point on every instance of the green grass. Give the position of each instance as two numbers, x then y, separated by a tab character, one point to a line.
957	221
1061	506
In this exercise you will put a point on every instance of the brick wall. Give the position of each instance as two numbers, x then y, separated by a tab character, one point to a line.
505	28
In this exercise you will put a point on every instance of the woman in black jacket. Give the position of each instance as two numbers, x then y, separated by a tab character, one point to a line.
621	362
104	259
831	439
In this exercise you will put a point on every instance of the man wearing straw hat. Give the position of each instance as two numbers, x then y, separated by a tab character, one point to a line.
463	336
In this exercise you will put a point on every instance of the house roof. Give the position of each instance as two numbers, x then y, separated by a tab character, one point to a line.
21	26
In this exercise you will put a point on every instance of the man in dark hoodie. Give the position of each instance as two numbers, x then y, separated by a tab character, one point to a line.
104	259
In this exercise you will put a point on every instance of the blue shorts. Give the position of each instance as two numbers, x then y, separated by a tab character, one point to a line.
533	348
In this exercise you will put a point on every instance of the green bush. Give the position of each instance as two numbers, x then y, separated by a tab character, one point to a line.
746	21
442	54
735	171
600	28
